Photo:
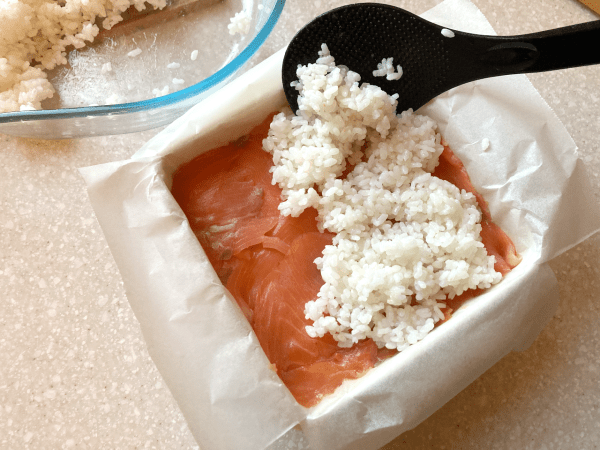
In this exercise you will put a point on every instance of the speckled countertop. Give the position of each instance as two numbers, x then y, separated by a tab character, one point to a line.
74	370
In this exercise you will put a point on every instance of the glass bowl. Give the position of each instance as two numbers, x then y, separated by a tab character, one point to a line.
178	48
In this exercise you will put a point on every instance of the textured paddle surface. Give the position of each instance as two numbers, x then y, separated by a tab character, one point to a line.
359	36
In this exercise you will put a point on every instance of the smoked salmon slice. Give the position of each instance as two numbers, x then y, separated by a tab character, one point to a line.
266	260
249	266
229	213
279	308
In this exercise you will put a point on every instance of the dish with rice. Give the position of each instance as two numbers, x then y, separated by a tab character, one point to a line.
399	236
37	36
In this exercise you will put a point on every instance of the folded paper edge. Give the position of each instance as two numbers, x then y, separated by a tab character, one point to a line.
167	321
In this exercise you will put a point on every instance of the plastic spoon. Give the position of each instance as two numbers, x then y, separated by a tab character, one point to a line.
434	59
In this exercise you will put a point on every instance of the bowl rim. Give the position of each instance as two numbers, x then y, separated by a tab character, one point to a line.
155	103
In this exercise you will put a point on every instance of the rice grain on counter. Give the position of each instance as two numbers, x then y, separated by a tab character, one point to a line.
405	240
134	53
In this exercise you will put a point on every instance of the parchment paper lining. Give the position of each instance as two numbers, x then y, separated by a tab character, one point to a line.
206	351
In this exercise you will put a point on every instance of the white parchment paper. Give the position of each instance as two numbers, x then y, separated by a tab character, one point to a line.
208	354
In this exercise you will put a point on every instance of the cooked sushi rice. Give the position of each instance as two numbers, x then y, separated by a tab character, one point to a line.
35	36
405	240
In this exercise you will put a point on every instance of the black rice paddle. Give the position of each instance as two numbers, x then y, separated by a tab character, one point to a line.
434	59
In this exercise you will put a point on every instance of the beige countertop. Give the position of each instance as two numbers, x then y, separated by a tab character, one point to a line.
74	369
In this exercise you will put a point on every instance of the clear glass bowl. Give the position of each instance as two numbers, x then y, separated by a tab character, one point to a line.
167	42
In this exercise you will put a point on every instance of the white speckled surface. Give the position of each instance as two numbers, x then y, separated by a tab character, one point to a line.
74	371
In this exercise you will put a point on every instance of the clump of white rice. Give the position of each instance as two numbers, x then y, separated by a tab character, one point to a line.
405	240
161	92
386	69
240	23
35	36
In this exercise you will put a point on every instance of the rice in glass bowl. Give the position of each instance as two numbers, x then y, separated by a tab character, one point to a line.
137	74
